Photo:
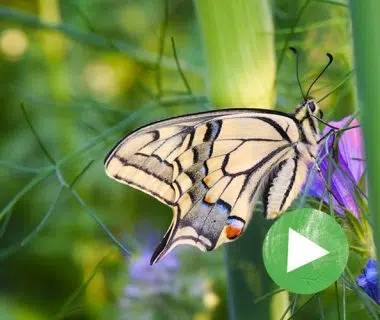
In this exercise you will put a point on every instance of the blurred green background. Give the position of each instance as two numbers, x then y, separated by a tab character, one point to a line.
87	72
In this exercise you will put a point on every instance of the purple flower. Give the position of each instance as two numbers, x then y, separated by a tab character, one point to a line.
154	291
369	281
148	284
146	280
350	158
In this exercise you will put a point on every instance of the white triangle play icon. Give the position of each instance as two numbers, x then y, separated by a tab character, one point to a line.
302	251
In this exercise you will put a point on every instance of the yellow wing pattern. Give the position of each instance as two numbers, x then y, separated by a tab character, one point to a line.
211	168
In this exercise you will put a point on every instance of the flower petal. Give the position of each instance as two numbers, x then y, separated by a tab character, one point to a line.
371	271
350	171
361	280
368	280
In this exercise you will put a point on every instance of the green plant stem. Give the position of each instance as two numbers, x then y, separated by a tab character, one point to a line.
366	26
240	62
239	50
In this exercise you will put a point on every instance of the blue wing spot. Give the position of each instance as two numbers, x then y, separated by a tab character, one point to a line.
223	207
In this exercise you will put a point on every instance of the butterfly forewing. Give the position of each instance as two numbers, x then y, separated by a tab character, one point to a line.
211	167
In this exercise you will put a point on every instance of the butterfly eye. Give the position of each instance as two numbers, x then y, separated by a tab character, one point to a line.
235	227
311	107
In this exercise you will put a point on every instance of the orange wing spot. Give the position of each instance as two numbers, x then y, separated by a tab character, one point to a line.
208	199
206	180
232	232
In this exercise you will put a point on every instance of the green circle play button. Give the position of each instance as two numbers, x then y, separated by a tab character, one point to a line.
305	251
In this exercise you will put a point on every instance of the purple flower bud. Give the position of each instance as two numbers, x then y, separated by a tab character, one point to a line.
368	280
350	158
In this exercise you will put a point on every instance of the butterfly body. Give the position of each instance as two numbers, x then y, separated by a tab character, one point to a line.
212	167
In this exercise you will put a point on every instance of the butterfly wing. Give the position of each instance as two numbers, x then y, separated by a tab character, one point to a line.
210	168
284	184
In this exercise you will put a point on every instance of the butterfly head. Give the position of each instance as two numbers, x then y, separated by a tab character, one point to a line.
313	108
309	108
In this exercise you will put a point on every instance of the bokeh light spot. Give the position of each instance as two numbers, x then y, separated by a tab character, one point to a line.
13	43
101	78
134	20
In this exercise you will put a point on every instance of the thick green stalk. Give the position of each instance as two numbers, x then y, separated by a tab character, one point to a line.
366	26
239	50
238	41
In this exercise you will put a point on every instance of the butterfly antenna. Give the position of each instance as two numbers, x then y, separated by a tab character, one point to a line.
295	51
331	58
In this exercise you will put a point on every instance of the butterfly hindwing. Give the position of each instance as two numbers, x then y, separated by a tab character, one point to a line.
283	185
210	168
